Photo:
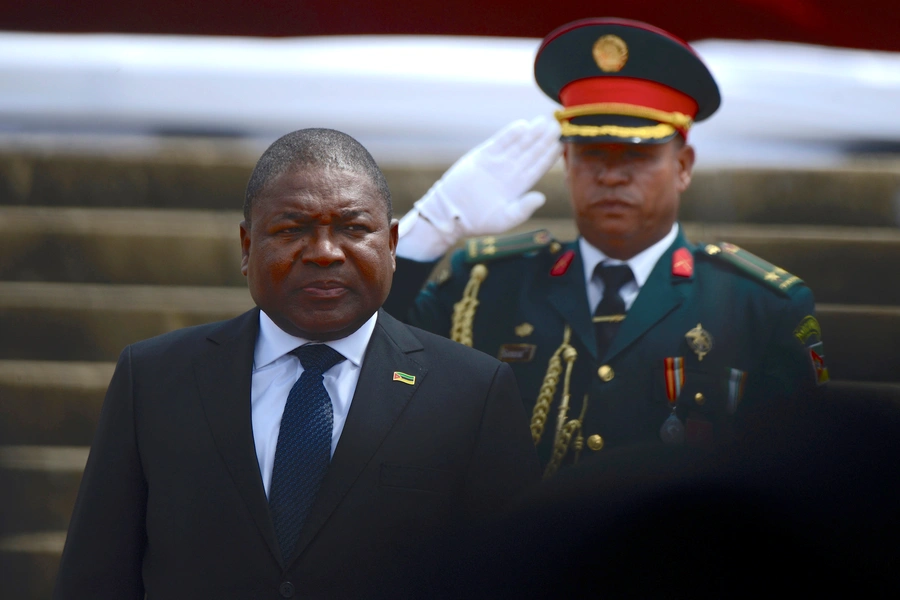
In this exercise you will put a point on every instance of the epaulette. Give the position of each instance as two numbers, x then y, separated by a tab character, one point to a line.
493	247
749	263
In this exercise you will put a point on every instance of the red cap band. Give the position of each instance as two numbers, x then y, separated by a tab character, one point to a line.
626	90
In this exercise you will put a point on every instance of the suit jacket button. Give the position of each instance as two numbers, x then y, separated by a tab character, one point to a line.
286	589
595	442
699	398
606	373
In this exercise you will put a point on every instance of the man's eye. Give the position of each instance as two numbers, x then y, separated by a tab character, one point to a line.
638	154
292	230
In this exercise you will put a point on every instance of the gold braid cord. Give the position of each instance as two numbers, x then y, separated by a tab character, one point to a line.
666	126
632	110
464	310
652	132
561	447
564	431
564	440
548	389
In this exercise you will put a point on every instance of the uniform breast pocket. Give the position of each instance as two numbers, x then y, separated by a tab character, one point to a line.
415	478
703	394
691	389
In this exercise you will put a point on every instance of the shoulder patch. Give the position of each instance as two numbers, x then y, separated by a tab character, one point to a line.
562	263
493	247
759	269
682	263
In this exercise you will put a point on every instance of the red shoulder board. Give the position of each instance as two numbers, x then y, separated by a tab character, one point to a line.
682	263
562	263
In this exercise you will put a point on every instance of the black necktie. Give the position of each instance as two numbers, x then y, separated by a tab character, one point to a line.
303	452
610	312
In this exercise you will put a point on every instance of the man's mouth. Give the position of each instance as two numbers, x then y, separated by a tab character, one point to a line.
324	289
612	203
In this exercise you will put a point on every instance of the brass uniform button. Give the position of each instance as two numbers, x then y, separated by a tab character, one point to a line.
699	398
606	373
595	442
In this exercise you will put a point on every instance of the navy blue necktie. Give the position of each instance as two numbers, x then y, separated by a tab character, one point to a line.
610	312
303	452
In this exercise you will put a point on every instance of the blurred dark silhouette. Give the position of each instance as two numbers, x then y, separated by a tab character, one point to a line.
806	504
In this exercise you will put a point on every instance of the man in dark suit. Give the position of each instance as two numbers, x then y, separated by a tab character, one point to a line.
630	334
295	449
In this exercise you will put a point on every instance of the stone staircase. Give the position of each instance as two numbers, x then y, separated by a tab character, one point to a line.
99	250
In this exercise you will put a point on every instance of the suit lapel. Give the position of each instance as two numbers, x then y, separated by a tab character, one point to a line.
662	293
223	376
568	296
376	405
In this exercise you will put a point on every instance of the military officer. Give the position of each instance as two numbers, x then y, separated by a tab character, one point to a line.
631	333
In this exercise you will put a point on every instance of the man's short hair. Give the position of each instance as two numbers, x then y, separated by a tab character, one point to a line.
318	148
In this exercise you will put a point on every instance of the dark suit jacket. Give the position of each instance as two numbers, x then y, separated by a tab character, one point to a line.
172	502
755	356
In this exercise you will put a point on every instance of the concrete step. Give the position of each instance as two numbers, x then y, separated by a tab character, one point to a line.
29	563
52	403
174	247
177	174
88	322
213	174
39	486
168	247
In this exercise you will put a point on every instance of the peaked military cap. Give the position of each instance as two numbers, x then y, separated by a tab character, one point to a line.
623	81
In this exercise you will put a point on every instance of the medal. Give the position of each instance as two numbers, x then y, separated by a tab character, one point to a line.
672	430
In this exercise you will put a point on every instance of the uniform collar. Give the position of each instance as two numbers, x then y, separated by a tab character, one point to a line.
641	263
273	342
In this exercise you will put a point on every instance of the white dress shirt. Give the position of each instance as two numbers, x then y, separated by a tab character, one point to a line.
641	265
275	372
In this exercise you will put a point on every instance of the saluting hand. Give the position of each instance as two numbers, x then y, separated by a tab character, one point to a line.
484	192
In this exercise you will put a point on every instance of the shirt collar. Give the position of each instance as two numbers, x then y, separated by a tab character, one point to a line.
641	263
273	342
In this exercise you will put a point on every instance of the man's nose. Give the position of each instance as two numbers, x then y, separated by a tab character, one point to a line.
323	249
612	173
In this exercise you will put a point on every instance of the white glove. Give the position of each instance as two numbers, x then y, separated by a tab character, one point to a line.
484	192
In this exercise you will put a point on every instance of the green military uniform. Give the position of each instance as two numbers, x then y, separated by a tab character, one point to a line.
707	340
714	335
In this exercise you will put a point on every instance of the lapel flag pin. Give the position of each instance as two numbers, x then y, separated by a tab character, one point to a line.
405	378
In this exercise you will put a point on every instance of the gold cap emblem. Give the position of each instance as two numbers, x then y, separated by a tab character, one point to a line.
610	53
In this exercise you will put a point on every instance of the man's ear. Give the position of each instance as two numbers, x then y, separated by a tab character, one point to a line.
685	157
395	237
245	246
565	155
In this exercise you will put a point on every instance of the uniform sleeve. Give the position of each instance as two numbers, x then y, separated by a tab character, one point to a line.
504	462
432	309
105	544
792	368
409	278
